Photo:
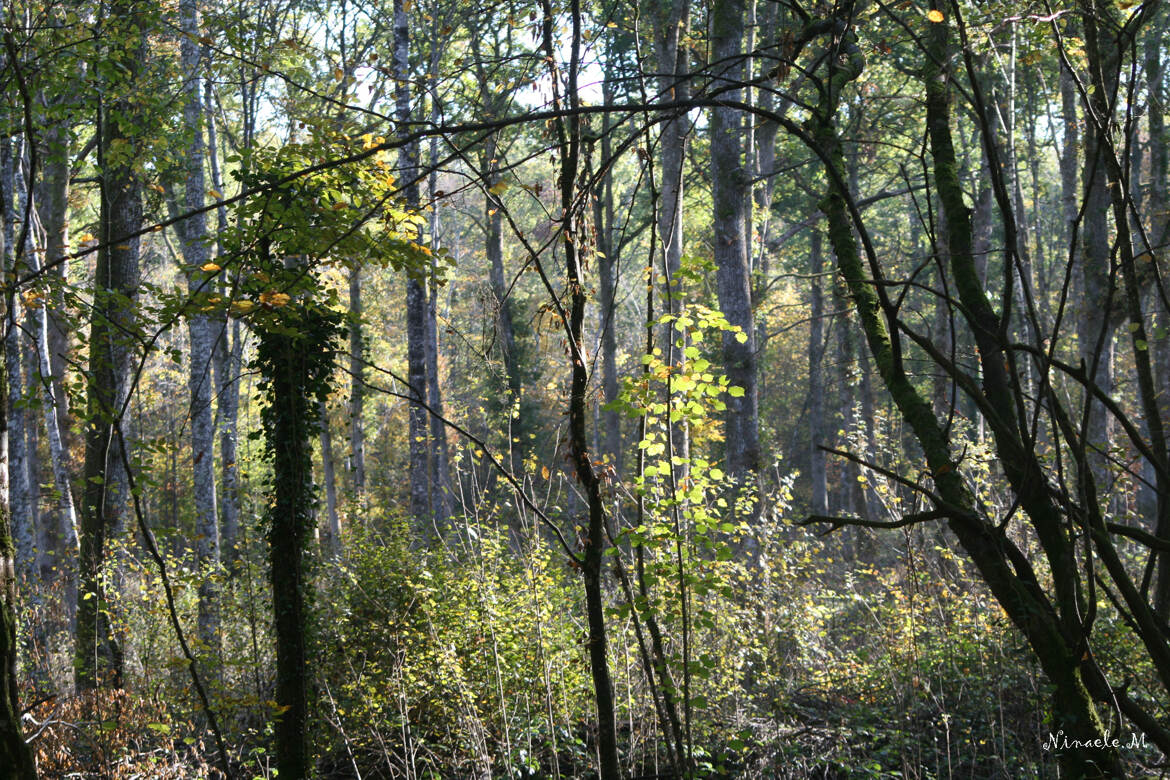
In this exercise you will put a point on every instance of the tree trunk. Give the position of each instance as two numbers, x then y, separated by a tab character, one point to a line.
293	370
441	494
568	139
331	532
228	363
116	282
14	752
504	318
20	489
1159	232
816	379
730	189
58	549
416	297
670	27
54	212
1094	326
357	389
203	331
607	305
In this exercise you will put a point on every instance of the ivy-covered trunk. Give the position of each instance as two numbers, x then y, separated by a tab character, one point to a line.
295	363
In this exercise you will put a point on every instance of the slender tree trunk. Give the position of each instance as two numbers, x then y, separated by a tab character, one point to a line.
227	353
58	549
54	205
1094	326
730	190
765	165
568	139
331	532
504	314
442	496
229	364
440	458
202	329
15	755
607	305
603	225
816	379
670	27
20	490
116	282
357	389
1158	230
416	297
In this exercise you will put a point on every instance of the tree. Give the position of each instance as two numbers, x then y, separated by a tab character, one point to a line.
104	494
1055	622
14	753
730	194
201	273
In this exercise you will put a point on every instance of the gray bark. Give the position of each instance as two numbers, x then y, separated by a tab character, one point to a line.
670	25
765	164
416	297
816	379
357	391
505	329
1159	231
730	189
54	212
330	532
441	494
1068	150
202	329
607	303
58	549
1095	328
20	491
228	362
116	282
15	755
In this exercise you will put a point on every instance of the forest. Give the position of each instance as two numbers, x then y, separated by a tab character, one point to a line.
616	389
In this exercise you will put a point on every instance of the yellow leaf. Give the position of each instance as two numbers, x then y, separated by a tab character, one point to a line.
498	188
86	238
544	472
934	15
274	298
210	267
243	307
215	194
